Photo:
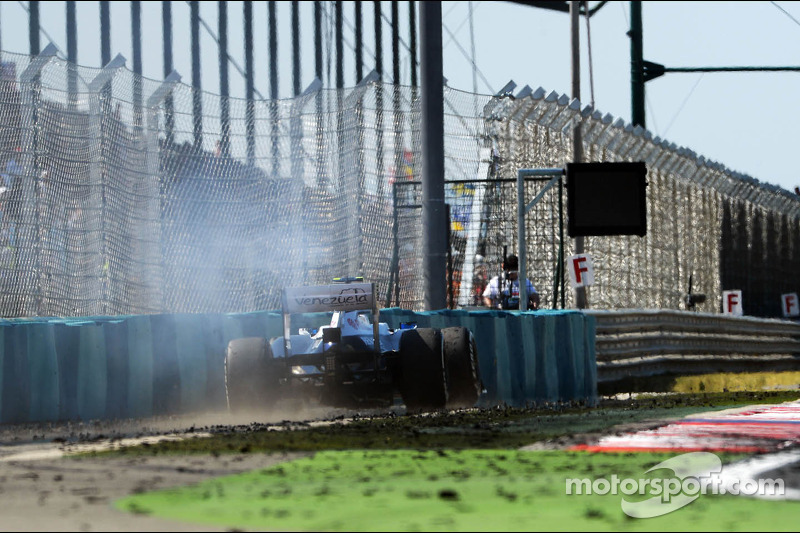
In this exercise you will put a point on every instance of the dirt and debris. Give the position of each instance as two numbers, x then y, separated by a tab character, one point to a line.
45	487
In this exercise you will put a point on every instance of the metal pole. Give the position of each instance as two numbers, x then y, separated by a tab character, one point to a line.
395	42
197	98
273	85
105	33
412	23
339	46
33	27
169	110
393	274
379	96
522	252
434	237
397	116
637	64
224	89
522	209
472	49
359	43
72	54
98	183
318	39
577	143
250	119
561	280
155	260
295	48
273	51
136	47
319	133
72	39
28	280
378	38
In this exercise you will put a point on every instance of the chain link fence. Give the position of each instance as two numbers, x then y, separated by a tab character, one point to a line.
116	199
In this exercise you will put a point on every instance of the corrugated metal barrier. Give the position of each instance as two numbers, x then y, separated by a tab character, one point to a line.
55	369
647	342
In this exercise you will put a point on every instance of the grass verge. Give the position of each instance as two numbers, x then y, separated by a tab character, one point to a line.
461	490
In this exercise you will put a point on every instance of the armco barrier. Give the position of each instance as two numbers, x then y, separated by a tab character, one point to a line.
636	343
55	369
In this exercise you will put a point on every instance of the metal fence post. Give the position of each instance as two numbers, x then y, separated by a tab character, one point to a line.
96	224
298	162
350	166
522	209
152	188
28	214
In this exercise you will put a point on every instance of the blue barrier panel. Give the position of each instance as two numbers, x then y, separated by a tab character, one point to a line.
506	339
43	373
231	328
16	374
68	340
190	349
214	346
116	337
140	367
590	363
566	359
530	358
166	368
546	379
92	372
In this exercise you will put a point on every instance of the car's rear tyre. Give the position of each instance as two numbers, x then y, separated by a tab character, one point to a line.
461	361
251	375
422	382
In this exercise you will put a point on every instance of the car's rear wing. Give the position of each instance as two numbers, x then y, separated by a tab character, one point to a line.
342	297
334	297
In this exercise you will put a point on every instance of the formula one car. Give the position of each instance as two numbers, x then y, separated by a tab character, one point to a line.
355	360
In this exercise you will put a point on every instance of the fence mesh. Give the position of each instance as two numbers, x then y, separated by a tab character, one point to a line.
117	199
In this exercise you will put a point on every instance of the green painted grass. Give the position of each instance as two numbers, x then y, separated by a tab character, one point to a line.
430	490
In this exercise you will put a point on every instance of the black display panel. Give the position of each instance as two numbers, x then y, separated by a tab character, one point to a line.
606	199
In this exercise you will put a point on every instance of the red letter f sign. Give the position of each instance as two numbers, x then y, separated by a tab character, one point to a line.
732	303
581	273
790	304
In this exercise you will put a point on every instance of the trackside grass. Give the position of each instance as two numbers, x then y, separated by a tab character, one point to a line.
453	471
464	490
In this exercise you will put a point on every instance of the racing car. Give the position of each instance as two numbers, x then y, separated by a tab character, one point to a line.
355	360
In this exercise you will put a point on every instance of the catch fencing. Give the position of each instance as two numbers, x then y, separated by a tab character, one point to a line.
116	201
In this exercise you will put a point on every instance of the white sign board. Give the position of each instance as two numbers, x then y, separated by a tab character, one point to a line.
732	303
336	297
581	272
790	304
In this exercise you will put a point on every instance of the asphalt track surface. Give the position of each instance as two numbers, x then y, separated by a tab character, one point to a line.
43	490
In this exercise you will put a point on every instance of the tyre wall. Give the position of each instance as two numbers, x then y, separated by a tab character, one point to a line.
143	365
